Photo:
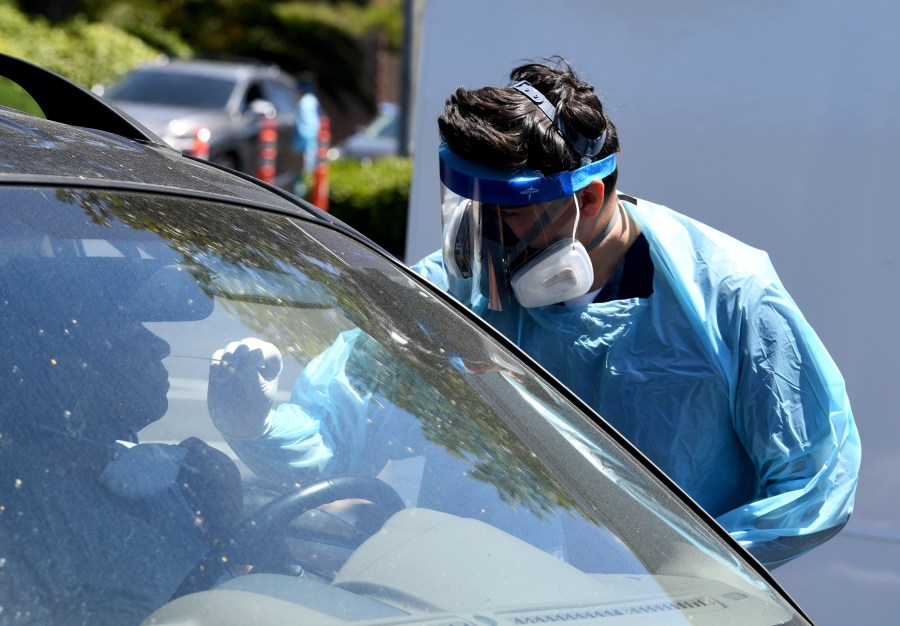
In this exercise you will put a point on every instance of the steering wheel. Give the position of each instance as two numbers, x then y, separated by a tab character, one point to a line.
260	535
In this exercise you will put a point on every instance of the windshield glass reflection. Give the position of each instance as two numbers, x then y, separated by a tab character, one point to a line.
183	375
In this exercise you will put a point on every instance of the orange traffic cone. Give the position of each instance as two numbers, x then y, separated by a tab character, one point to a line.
267	151
319	193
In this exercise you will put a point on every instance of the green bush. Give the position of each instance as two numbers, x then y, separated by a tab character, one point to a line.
373	197
85	52
158	37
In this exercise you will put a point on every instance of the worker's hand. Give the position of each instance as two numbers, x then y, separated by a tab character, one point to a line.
243	379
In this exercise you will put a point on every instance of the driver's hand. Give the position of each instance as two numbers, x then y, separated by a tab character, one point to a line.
243	379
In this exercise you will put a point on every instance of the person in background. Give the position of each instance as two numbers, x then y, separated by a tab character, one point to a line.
682	337
306	135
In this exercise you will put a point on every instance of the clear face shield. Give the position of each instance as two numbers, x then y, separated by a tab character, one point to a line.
512	237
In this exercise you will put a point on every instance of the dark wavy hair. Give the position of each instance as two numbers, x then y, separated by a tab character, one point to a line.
500	127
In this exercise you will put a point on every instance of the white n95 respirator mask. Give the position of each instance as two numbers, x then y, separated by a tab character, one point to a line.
562	272
528	253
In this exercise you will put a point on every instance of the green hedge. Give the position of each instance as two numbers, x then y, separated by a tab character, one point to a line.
373	198
85	52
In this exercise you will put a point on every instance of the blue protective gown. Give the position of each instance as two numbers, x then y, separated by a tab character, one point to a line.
331	425
716	377
306	132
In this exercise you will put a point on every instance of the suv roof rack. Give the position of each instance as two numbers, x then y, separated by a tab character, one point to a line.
66	102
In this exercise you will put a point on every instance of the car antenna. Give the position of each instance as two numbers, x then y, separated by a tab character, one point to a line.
67	102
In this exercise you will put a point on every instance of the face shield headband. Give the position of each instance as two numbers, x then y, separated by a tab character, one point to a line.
499	266
495	186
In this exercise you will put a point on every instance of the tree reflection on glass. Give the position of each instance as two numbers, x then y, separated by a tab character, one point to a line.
407	360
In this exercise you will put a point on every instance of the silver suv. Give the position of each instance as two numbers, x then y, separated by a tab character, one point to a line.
214	109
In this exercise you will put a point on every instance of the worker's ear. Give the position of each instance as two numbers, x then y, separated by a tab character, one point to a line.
590	198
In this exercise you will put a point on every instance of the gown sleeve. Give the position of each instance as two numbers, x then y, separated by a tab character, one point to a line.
793	416
334	423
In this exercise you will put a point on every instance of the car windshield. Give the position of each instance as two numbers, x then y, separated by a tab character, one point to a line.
217	415
173	88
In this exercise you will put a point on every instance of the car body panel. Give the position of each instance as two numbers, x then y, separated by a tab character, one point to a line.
85	154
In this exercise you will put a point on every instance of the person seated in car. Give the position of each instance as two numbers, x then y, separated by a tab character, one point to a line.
96	528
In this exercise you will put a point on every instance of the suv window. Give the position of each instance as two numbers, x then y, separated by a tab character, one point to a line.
161	86
254	92
281	95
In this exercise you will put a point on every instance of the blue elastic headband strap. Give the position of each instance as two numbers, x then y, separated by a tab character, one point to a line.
494	186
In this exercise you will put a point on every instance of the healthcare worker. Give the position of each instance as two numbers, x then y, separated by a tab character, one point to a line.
306	130
683	338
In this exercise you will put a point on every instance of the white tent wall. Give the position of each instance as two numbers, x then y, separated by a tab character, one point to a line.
776	121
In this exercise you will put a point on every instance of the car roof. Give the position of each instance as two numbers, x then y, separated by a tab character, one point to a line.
214	67
46	152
